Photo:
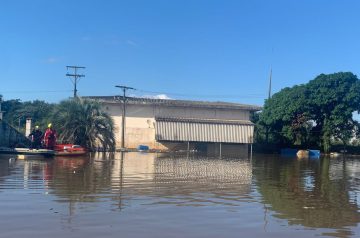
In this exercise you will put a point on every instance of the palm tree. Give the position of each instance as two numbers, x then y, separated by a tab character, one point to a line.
82	122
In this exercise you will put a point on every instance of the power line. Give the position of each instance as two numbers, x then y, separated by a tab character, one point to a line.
37	91
251	95
76	76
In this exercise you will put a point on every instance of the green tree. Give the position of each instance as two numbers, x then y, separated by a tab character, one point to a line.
281	114
332	100
16	112
314	113
83	122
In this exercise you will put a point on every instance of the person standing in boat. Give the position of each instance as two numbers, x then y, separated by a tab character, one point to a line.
36	137
50	137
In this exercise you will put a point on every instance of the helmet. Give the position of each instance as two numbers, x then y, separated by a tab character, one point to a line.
49	125
36	127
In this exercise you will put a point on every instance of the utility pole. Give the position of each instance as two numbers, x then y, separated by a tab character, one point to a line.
76	76
124	88
270	79
269	96
1	112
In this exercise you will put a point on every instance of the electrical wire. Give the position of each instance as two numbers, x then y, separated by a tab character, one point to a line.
37	91
175	94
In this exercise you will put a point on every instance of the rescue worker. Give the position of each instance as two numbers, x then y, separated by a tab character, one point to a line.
50	138
36	137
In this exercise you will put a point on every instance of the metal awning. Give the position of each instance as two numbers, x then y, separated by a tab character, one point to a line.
204	130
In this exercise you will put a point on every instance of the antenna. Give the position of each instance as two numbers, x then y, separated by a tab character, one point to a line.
270	79
1	112
76	76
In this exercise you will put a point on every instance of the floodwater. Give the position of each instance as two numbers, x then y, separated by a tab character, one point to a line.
154	195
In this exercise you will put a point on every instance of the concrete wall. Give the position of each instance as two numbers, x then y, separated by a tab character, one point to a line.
10	137
201	113
140	122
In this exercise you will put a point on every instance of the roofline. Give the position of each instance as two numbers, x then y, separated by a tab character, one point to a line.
175	103
206	121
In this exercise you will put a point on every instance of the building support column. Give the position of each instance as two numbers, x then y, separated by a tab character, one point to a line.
220	150
251	151
28	127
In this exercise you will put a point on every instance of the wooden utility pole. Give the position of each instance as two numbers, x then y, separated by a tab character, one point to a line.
1	112
269	96
270	79
124	88
76	76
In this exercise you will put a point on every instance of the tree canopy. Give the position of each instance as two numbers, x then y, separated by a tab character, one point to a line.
312	113
83	122
16	112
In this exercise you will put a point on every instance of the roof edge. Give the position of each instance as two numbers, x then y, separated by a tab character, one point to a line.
176	103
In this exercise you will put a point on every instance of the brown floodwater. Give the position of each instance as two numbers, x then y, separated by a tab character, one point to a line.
156	195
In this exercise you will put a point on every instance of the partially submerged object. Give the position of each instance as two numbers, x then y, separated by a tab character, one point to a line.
26	153
313	154
335	154
289	152
69	150
302	154
59	150
143	148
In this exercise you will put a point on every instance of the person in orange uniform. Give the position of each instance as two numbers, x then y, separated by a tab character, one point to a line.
50	137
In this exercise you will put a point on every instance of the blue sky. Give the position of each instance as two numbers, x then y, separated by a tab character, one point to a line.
199	49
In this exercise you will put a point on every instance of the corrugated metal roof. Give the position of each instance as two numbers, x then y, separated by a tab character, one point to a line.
176	103
180	129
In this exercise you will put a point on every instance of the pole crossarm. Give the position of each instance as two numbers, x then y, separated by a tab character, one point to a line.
76	76
125	87
78	67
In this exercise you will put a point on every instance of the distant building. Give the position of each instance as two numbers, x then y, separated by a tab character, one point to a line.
165	124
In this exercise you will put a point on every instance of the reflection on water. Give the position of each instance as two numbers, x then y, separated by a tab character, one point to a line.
311	193
137	195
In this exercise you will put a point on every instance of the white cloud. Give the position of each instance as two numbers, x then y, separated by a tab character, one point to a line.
159	96
52	60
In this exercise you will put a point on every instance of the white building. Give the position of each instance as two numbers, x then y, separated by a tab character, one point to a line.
163	124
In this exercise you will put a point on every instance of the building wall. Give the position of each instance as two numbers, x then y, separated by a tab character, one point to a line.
140	126
200	113
10	137
140	121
